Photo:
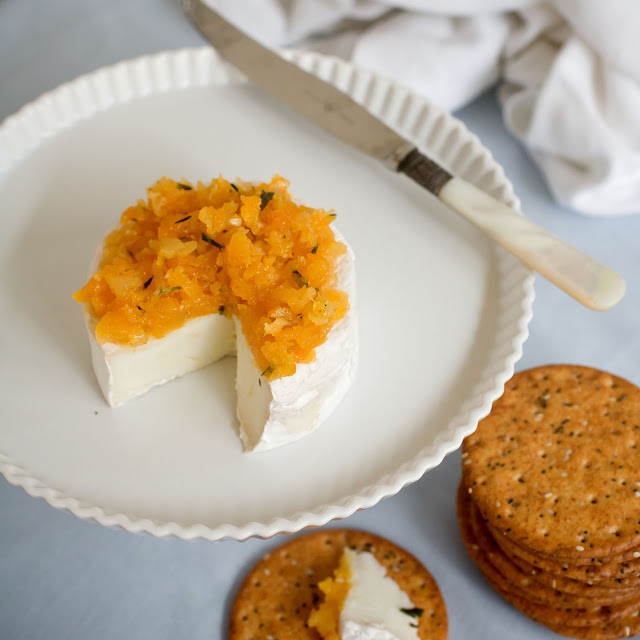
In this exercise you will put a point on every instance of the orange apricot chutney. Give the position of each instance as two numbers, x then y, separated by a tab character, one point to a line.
235	249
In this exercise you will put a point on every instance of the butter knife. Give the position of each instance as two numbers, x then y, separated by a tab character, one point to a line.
591	283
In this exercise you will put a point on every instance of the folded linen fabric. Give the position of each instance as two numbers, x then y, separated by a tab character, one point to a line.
568	72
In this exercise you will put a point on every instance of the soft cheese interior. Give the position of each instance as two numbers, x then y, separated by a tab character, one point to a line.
125	372
270	414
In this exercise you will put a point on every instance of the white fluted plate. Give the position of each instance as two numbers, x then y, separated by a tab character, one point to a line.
443	313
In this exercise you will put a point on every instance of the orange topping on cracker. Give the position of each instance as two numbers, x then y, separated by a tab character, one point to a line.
326	618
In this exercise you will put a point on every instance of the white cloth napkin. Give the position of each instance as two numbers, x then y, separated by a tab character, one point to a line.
568	72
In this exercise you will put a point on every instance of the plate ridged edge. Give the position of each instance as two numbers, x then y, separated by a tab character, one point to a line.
431	128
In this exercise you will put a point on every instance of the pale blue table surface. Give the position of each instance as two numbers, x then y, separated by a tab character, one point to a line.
65	578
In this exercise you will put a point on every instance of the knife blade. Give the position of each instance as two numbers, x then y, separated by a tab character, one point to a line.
591	283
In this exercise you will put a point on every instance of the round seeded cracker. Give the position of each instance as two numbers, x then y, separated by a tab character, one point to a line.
277	596
556	464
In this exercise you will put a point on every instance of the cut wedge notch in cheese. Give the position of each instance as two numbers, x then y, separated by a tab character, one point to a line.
270	413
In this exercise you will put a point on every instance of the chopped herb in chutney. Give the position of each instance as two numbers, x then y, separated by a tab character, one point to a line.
300	279
162	290
265	199
210	240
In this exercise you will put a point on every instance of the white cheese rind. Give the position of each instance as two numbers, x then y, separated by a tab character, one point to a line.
373	607
272	414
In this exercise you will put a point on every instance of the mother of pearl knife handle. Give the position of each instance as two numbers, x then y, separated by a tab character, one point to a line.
588	281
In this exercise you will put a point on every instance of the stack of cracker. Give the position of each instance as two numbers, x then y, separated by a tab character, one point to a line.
549	503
